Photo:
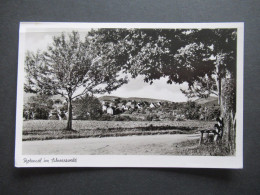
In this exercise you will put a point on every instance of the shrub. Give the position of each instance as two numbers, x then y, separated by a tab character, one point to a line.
192	110
151	117
38	107
87	108
213	113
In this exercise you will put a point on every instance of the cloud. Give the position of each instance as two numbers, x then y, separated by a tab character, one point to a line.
158	90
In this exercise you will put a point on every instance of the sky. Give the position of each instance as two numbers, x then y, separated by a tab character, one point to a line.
158	90
134	88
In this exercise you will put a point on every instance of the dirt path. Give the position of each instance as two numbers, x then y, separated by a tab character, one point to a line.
130	145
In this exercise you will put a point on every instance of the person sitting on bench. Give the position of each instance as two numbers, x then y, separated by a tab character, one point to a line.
220	122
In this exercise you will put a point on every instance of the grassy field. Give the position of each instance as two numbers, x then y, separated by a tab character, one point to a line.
54	129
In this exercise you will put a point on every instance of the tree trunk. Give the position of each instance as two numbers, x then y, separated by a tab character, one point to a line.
228	112
219	89
69	119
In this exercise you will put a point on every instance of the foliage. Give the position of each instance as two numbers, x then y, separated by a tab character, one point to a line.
182	55
192	110
67	65
222	51
200	57
213	113
87	108
202	88
117	101
152	117
38	107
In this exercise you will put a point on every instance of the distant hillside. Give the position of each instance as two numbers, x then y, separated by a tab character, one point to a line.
103	98
138	99
210	101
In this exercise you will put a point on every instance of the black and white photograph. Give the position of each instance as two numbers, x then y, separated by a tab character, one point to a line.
130	95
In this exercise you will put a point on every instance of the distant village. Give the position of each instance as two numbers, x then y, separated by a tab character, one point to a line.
135	109
113	108
157	109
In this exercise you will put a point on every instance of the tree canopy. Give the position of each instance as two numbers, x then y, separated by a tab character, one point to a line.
181	55
195	56
70	68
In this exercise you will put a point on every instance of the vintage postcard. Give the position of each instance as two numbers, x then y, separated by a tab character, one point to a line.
130	95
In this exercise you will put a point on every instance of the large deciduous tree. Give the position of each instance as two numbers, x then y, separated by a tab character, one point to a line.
195	56
221	46
72	68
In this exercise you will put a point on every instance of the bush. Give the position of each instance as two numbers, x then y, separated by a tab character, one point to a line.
213	113
36	113
151	117
192	110
41	113
87	108
105	117
38	107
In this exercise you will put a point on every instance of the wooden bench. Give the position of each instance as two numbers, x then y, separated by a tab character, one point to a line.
208	132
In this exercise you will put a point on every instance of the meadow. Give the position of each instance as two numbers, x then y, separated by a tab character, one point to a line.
54	129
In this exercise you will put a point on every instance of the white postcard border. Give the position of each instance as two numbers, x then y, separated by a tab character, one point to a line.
127	160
